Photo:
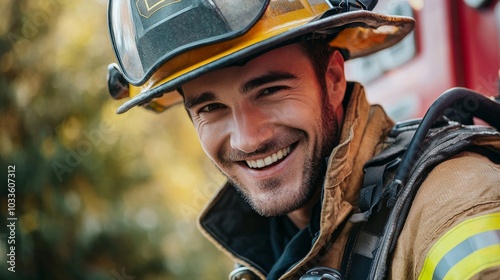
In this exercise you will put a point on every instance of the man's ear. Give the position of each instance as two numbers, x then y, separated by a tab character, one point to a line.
335	79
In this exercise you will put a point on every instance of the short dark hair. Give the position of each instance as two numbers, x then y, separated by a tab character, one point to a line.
319	51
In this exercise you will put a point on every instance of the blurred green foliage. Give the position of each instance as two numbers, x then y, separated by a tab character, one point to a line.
98	195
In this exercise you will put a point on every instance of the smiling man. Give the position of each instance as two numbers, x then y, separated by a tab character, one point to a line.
263	83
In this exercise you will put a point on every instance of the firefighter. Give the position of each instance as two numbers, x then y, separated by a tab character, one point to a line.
263	83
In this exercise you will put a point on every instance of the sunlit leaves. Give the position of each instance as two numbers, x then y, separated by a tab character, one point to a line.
97	192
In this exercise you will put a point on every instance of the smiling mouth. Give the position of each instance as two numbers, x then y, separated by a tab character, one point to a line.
269	160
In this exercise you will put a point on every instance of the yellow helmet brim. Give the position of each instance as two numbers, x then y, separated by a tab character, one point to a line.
360	33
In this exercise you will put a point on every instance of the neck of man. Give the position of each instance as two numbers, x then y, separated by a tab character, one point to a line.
301	217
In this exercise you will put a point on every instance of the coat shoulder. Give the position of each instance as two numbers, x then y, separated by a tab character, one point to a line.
459	189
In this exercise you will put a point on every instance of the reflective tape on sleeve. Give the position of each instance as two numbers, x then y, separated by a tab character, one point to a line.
466	249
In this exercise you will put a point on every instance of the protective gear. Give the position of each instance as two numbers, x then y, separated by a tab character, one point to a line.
162	44
393	177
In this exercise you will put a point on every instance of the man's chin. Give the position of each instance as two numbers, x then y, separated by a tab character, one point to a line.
273	205
266	211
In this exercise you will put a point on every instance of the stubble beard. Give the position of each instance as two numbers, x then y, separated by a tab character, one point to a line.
280	200
313	172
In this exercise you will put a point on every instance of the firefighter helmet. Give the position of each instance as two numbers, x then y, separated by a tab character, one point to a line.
161	44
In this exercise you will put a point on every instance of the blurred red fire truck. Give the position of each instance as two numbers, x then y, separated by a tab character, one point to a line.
455	43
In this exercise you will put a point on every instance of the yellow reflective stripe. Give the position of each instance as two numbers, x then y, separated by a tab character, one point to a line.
474	263
454	237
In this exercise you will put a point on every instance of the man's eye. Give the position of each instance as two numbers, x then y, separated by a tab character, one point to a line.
210	107
271	90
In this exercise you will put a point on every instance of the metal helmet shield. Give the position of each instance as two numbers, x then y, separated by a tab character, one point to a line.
158	57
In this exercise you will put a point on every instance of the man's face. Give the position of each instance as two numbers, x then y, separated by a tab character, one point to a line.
268	125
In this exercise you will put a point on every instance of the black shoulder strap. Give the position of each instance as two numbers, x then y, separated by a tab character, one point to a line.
370	222
393	177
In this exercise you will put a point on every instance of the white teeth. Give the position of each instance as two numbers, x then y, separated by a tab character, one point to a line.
280	154
268	160
259	163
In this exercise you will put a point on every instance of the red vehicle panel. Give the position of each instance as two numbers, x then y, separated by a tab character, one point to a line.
454	44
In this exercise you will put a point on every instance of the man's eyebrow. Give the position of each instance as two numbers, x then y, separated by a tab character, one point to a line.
270	77
273	76
190	102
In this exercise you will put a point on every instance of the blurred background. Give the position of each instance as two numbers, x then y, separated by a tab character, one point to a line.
106	196
98	195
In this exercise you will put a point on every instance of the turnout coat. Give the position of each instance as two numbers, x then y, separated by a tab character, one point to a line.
456	209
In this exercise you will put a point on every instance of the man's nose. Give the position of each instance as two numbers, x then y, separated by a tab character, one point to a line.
251	129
